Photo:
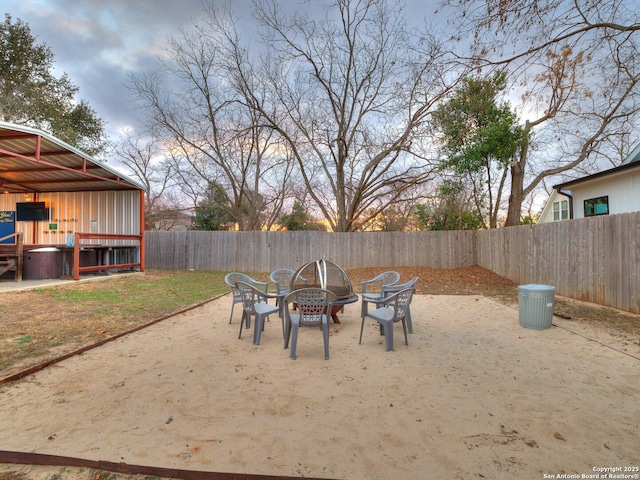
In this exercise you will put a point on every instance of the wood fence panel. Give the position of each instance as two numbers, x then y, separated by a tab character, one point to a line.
587	264
622	252
166	249
266	251
593	259
564	249
634	266
601	256
611	270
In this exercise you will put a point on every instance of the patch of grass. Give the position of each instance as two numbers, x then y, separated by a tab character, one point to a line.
48	322
154	292
87	296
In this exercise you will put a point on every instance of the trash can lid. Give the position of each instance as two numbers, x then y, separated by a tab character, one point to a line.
535	287
45	249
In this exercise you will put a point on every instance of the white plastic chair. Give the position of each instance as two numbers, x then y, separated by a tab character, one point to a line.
253	307
389	289
382	280
231	278
393	310
313	308
282	279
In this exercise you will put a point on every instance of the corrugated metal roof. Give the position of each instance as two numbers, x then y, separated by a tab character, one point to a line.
34	161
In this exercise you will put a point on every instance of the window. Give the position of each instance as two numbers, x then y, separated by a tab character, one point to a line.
596	206
560	210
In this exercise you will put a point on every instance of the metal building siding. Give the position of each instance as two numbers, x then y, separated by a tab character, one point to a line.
112	212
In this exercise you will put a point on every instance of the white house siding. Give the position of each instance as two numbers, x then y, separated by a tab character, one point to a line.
85	212
547	212
623	190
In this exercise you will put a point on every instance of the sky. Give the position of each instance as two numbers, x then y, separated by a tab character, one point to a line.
100	43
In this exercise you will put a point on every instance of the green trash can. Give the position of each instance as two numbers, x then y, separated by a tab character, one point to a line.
535	306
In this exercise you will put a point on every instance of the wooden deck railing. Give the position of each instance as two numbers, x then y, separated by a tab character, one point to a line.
78	245
11	255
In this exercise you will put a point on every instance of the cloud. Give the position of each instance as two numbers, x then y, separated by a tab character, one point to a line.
99	43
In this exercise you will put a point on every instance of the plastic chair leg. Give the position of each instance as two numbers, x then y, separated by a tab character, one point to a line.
325	334
408	319
388	335
364	308
361	329
294	341
404	327
241	325
287	334
258	326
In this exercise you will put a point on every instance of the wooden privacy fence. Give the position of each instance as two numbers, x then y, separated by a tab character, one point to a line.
266	251
593	259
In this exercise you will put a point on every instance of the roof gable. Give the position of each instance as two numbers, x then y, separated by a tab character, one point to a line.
633	157
546	215
630	163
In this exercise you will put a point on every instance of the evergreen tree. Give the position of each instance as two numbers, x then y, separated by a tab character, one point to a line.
213	211
451	210
298	219
480	137
31	95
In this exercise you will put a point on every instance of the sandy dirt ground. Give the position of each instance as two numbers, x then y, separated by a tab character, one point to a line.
474	395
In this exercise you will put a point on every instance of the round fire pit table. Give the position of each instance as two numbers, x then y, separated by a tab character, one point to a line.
338	304
329	276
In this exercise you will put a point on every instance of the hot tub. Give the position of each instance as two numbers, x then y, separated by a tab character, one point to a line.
42	263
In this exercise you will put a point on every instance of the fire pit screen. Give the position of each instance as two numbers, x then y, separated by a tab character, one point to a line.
323	274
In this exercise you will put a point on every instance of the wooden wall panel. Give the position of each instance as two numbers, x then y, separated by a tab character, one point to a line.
592	259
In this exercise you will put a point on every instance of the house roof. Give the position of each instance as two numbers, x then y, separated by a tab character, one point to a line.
634	156
32	161
631	162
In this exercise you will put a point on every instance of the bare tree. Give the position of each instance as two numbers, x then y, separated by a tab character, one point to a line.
350	93
142	156
214	137
576	63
